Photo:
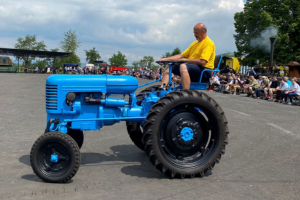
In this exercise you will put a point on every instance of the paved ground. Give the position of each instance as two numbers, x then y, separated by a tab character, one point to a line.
262	160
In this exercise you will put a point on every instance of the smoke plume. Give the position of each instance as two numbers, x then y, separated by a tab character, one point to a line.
263	41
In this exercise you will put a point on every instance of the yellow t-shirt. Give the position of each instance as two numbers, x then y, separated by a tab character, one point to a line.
202	50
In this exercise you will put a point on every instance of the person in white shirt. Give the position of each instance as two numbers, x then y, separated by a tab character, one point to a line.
259	80
215	81
230	83
294	90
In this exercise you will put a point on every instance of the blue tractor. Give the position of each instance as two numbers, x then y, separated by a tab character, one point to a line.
184	132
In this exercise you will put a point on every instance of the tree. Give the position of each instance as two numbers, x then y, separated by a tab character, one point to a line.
56	62
29	43
92	55
262	19
147	61
118	60
176	51
228	54
70	44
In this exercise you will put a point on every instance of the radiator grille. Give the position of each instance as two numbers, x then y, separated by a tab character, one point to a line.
51	97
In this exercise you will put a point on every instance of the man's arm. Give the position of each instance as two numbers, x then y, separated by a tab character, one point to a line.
171	58
270	83
201	62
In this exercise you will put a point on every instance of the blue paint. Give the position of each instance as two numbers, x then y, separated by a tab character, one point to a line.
187	134
54	158
104	110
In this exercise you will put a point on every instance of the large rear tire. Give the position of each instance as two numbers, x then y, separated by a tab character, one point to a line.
55	157
185	134
134	129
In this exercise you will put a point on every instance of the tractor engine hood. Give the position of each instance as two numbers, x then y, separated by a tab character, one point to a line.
108	84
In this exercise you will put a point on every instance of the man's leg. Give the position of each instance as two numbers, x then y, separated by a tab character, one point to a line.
266	92
271	93
291	96
285	97
250	90
185	77
165	78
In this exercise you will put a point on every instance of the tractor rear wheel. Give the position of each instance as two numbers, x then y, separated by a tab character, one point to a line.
55	157
134	129
185	134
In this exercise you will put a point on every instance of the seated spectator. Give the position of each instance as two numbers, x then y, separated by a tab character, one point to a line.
283	87
245	84
259	80
229	84
223	83
264	84
294	90
252	86
296	80
286	79
272	87
215	81
235	85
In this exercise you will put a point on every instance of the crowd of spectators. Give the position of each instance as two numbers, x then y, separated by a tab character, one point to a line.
268	88
146	74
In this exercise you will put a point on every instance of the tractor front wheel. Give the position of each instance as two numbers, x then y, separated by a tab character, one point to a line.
185	134
55	157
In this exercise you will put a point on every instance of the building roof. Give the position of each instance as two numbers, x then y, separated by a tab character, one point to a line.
31	53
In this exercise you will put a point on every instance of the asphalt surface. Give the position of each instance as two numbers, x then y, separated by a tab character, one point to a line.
262	160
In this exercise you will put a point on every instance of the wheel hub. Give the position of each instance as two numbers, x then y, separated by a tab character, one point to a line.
187	134
54	158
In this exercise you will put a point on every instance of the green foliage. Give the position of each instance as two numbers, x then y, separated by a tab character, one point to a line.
73	58
261	14
42	63
118	59
56	62
176	51
92	55
70	44
29	43
147	61
228	54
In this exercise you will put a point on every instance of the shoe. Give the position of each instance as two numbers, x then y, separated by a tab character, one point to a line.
265	98
237	93
248	95
284	102
270	99
289	103
233	94
275	100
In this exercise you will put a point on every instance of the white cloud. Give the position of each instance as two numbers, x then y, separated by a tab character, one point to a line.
134	27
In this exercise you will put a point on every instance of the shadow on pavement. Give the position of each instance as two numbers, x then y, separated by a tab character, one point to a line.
129	154
35	178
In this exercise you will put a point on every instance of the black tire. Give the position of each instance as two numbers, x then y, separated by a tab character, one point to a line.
77	135
67	154
134	129
135	132
185	134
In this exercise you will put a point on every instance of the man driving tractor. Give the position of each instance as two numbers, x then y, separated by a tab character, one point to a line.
198	56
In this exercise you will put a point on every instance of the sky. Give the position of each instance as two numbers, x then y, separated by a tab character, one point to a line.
136	28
